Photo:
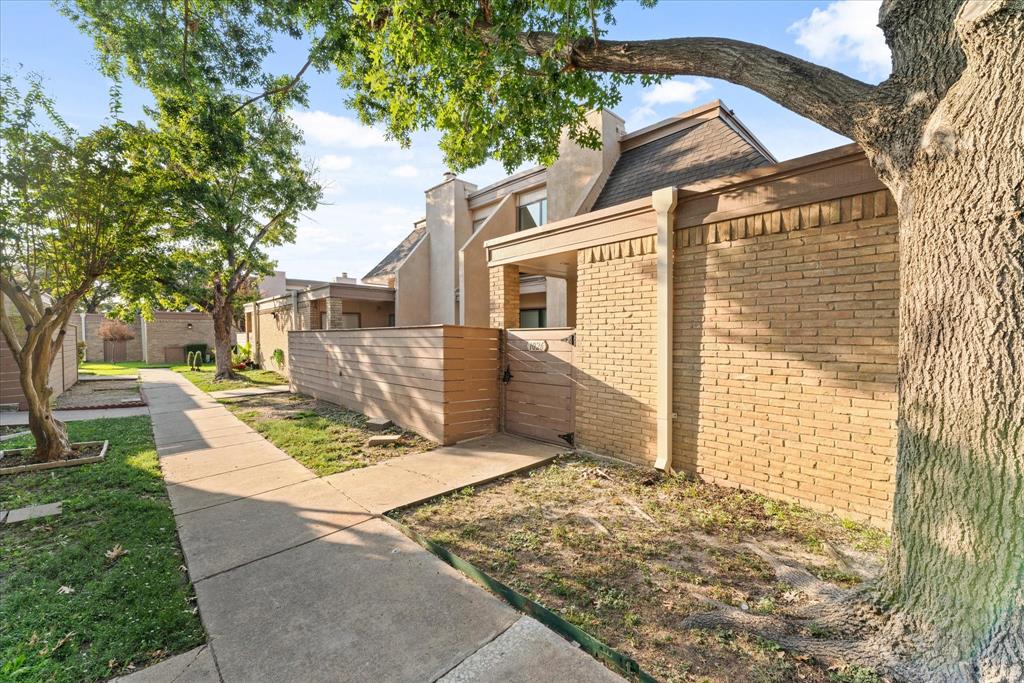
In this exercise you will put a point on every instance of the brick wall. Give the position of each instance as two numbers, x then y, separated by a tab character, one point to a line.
616	350
94	344
784	354
171	330
273	335
503	292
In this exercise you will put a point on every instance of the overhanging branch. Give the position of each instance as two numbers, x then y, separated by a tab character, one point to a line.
819	93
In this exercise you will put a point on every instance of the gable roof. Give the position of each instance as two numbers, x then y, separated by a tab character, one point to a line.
675	153
386	269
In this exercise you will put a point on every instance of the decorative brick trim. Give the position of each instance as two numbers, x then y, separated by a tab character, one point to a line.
638	246
847	209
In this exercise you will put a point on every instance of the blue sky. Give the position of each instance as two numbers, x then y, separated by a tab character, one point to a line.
375	189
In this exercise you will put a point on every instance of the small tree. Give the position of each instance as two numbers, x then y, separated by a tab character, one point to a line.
115	330
239	186
72	209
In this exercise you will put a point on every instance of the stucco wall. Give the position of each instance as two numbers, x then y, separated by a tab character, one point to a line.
412	286
473	286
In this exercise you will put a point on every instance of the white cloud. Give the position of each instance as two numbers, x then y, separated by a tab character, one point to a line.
843	30
338	131
334	162
405	171
675	91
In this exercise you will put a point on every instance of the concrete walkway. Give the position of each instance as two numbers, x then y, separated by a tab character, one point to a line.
10	418
251	391
298	579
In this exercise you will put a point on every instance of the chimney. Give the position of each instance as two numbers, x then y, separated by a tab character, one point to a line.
448	175
344	279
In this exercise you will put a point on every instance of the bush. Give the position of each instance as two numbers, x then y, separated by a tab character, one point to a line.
277	355
81	351
196	348
242	354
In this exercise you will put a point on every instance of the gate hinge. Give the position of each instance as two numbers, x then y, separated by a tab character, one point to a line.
506	376
570	340
569	438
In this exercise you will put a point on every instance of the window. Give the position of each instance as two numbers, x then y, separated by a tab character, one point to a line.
533	317
479	222
391	319
350	321
533	214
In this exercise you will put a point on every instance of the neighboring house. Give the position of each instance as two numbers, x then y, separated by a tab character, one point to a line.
63	372
294	305
160	340
439	270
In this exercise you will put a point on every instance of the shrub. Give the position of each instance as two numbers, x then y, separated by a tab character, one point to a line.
277	355
81	351
196	348
115	330
241	354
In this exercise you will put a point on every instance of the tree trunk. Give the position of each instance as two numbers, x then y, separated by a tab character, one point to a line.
223	319
34	363
955	578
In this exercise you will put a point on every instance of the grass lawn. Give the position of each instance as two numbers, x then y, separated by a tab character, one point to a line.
72	607
203	378
126	368
627	555
324	437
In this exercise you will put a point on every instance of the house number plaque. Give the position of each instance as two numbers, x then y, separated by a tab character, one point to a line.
537	345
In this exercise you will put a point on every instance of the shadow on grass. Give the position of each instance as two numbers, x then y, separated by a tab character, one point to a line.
133	609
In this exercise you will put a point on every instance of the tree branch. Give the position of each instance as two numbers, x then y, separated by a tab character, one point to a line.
276	91
821	94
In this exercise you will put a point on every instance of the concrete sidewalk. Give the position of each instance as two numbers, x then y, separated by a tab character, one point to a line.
299	580
9	418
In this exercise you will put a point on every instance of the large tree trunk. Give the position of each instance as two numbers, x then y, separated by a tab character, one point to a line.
955	579
34	363
223	321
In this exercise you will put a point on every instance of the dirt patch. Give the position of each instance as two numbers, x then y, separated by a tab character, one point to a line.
628	555
324	437
5	430
114	393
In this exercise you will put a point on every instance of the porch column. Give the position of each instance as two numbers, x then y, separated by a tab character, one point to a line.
664	202
504	291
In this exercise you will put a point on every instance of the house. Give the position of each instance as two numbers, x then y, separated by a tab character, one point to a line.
439	270
289	304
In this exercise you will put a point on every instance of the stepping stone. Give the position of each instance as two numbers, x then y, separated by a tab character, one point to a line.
31	512
384	439
378	424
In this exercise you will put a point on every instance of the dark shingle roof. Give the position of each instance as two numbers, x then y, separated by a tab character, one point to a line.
387	267
709	150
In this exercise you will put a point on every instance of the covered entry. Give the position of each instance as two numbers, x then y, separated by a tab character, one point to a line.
538	383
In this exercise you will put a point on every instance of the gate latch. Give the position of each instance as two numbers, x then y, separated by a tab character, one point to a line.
569	438
506	377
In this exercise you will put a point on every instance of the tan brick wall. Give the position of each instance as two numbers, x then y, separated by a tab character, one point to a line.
504	296
171	330
94	344
784	355
785	365
616	352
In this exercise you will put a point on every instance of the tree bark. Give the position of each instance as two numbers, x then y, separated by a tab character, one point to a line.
34	361
955	579
223	322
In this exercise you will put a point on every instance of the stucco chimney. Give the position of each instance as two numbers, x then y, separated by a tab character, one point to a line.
448	175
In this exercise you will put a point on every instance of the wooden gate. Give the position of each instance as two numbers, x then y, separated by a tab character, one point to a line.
540	389
115	351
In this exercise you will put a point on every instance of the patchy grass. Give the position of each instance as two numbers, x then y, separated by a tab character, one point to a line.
106	369
324	437
97	590
627	554
203	378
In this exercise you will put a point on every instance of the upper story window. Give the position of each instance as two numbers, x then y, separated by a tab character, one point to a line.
533	214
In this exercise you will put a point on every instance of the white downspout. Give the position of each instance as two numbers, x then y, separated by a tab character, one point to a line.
664	202
82	318
145	340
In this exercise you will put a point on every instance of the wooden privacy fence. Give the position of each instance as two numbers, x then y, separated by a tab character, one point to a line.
439	380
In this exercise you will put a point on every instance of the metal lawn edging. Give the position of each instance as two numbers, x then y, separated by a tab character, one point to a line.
627	666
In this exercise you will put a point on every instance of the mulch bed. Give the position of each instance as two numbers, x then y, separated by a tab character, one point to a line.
22	457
